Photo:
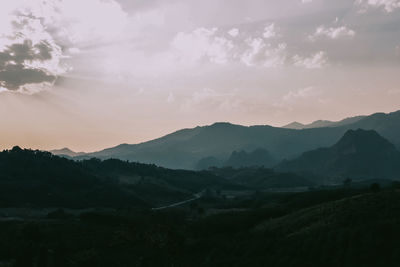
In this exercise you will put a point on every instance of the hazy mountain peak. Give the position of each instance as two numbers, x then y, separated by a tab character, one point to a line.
323	123
65	149
258	157
222	124
362	141
359	153
294	125
66	152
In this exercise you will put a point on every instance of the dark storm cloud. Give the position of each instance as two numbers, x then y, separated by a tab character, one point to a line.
15	76
14	72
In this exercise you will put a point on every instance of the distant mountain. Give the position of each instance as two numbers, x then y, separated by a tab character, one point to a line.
209	162
185	148
387	125
295	125
66	152
360	154
259	157
239	159
323	123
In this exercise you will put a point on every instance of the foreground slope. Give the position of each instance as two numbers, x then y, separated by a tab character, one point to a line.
328	228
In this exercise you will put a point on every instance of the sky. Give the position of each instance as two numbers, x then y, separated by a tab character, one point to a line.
97	73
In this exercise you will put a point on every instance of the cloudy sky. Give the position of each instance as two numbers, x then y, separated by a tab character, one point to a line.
95	73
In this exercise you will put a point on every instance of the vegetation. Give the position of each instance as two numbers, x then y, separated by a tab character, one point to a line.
259	178
345	227
39	179
59	212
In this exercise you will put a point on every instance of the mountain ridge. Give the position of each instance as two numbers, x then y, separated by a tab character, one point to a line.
323	123
182	149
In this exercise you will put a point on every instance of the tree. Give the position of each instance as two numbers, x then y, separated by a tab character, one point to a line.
347	182
375	187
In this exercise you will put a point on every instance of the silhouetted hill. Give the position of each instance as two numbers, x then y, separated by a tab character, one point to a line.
183	149
39	179
360	154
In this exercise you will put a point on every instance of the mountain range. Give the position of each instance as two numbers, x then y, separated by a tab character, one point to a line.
42	179
184	149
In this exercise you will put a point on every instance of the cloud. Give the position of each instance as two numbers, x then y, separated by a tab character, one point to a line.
24	63
253	55
202	44
210	99
316	61
262	47
170	98
332	32
393	92
263	54
387	5
270	31
204	97
37	36
302	93
83	22
306	1
300	97
213	46
28	54
13	77
234	32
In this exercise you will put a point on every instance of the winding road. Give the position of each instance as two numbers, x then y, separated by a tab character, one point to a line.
196	196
